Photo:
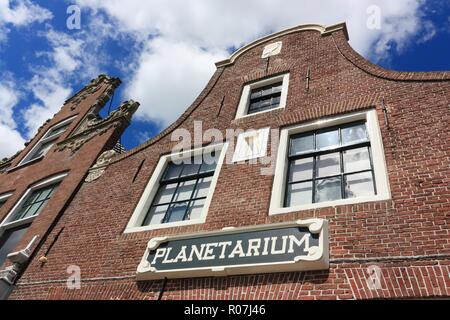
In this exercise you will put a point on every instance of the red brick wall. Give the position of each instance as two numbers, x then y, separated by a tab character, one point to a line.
407	236
19	178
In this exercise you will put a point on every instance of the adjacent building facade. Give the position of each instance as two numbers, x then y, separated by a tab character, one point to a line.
301	171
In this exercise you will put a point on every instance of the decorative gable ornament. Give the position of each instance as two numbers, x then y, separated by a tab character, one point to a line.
271	49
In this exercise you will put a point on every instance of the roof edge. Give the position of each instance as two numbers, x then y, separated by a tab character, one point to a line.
324	30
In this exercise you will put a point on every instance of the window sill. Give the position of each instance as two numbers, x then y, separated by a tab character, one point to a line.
21	165
343	202
164	226
12	224
257	113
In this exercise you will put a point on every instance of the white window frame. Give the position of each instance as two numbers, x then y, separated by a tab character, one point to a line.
138	216
379	162
245	97
7	224
4	197
45	138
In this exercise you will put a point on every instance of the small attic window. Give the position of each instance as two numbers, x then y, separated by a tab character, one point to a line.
263	96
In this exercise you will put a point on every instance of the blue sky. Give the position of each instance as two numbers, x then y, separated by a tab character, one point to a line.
164	51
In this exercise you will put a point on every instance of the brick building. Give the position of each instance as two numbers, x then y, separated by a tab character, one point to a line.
310	174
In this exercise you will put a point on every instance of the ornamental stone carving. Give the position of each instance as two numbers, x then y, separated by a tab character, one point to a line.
99	167
93	87
93	126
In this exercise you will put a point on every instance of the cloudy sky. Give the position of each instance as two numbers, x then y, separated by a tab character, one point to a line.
164	50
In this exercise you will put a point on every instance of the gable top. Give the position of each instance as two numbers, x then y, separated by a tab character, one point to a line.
324	30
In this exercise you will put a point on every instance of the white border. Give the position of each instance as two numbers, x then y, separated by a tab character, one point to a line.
135	223
5	196
44	139
317	260
379	163
6	224
245	96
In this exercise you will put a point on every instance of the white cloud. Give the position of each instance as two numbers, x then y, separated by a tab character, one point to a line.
183	38
169	73
51	97
22	12
19	13
10	138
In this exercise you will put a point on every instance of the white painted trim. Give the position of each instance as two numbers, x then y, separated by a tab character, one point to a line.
261	137
319	260
138	216
5	196
315	27
6	224
245	97
380	169
29	157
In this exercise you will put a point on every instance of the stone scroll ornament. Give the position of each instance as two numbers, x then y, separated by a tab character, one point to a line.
93	126
282	247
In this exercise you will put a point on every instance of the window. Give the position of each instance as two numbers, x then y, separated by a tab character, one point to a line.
330	162
34	203
47	141
264	95
16	223
180	190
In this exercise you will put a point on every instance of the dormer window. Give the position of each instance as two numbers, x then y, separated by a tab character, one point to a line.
47	141
262	96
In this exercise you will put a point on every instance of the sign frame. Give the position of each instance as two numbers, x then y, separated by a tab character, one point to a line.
318	258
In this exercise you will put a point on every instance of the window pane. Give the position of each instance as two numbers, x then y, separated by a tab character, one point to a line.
34	209
190	169
276	102
202	187
177	212
155	215
196	209
277	87
354	134
328	165
2	203
328	189
56	131
184	190
9	241
42	150
302	144
255	94
328	139
173	171
356	160
254	106
359	185
209	162
45	193
301	169
299	193
165	193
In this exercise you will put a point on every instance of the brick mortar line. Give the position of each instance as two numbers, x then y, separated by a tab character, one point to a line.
393	258
332	261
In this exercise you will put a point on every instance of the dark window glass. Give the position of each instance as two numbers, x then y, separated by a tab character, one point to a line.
182	190
330	164
34	203
9	239
2	203
265	98
57	131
